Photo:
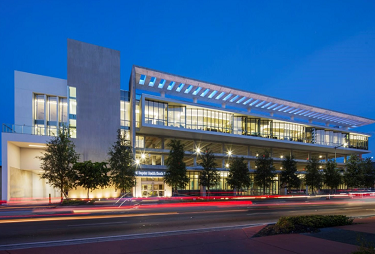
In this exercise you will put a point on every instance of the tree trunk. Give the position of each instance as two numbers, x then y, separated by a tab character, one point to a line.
88	193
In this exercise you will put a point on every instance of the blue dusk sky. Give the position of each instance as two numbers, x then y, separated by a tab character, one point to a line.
320	53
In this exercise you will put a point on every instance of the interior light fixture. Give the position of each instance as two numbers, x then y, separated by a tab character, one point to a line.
137	161
227	165
282	156
143	156
229	153
198	150
37	146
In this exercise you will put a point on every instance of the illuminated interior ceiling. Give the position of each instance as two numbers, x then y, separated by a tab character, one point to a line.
156	81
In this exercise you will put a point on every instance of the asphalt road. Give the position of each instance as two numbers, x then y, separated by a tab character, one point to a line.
30	224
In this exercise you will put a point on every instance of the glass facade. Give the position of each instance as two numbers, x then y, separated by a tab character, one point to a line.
72	112
163	114
358	141
50	112
125	113
156	113
39	108
63	111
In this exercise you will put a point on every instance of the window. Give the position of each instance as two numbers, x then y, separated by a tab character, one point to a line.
72	106
63	110
39	107
72	92
140	141
155	113
125	113
52	110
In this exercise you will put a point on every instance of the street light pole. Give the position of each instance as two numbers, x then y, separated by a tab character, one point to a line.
338	147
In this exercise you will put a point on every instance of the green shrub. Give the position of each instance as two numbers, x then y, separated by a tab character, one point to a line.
77	202
287	224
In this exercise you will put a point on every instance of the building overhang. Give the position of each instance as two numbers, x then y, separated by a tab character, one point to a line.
174	85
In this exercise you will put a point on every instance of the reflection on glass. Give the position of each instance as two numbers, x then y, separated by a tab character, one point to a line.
125	113
52	109
63	110
72	106
39	129
72	92
39	107
140	141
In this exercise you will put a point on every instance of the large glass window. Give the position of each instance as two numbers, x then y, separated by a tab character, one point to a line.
140	141
73	128
39	107
72	106
156	113
358	141
252	126
72	92
288	131
52	110
63	110
125	113
176	116
265	128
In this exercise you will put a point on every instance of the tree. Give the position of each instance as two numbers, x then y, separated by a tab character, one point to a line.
58	161
239	176
91	176
313	177
332	177
121	163
209	176
368	173
353	176
288	177
175	175
265	171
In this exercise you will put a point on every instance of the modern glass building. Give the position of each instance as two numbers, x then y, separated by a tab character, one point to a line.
157	108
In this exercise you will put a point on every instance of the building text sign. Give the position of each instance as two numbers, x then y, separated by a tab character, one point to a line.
149	173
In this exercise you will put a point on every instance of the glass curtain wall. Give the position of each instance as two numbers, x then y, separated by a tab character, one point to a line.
156	113
52	116
208	120
176	116
39	114
125	113
266	128
72	112
159	113
358	141
63	111
287	131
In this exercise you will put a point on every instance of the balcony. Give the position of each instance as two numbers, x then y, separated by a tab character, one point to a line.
31	130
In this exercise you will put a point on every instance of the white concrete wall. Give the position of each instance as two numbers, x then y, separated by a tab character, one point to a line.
98	193
13	173
29	159
25	85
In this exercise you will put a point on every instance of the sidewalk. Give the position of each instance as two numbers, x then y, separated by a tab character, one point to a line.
228	241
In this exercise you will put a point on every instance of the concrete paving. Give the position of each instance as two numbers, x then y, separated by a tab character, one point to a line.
226	241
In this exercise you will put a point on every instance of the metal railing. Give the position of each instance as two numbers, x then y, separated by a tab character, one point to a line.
31	130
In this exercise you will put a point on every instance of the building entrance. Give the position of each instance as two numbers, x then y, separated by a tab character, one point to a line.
152	187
